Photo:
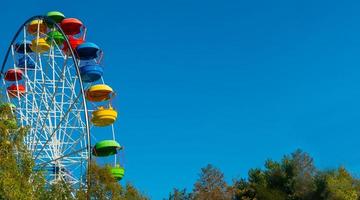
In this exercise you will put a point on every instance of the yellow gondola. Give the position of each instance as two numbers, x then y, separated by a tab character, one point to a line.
39	45
99	92
36	24
104	116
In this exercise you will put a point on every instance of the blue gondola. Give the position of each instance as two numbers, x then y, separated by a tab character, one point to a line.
30	63
87	51
20	47
91	72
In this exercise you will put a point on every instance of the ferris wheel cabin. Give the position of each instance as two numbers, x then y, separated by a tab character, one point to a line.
16	90
39	45
74	42
117	172
87	51
91	72
20	47
35	25
13	75
71	26
56	16
55	36
29	63
99	92
106	148
104	116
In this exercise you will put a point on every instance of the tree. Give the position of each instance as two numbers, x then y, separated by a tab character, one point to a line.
301	166
257	187
243	190
293	178
211	185
341	186
17	178
177	194
131	193
103	185
58	190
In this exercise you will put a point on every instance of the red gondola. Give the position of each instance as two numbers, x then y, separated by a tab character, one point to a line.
71	26
74	42
13	75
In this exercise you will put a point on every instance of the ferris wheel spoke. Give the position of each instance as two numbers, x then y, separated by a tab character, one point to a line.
54	131
61	157
74	144
78	116
48	155
62	107
66	137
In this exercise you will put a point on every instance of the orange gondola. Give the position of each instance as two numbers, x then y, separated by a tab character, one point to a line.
35	25
16	90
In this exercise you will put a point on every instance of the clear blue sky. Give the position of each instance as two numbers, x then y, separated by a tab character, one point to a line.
230	83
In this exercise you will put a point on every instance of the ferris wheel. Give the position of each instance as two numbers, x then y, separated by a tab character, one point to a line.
53	79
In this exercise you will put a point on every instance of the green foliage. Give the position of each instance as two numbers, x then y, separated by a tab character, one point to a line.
296	178
59	190
341	186
291	179
17	178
